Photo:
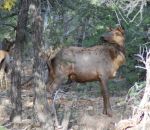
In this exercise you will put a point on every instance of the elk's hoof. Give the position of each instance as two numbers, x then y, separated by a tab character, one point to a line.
108	112
66	89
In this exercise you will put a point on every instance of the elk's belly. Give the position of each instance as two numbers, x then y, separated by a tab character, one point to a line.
84	77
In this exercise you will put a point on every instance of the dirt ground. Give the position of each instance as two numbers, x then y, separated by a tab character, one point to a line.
86	111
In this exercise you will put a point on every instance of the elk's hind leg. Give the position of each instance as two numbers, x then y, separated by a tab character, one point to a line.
54	85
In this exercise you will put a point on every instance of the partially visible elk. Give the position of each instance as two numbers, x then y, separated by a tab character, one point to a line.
4	54
97	63
5	62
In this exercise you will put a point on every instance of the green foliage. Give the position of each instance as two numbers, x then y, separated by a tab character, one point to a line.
2	128
93	89
85	17
118	88
8	20
8	4
135	93
135	38
7	28
90	89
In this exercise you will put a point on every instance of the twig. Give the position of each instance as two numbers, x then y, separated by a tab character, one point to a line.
7	124
122	16
27	127
117	17
66	118
54	109
25	82
119	13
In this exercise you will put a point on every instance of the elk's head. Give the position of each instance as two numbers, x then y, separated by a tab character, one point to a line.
115	36
7	45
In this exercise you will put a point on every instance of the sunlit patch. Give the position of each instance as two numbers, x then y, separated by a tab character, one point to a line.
95	2
114	74
4	82
86	57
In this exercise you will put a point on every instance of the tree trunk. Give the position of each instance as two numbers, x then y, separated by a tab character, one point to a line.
40	102
16	69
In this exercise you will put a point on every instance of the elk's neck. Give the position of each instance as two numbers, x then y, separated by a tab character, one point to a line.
118	47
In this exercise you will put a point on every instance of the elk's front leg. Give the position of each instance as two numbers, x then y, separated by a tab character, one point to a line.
107	108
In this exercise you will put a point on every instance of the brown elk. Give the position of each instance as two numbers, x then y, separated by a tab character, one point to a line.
4	54
97	63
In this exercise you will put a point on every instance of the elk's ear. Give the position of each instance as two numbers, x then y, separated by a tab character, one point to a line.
121	29
109	28
13	46
5	40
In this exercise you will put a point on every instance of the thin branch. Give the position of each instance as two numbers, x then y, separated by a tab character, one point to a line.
117	17
140	67
135	16
115	5
127	8
141	58
54	109
146	43
122	16
27	81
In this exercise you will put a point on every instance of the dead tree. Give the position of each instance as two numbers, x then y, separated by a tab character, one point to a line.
141	115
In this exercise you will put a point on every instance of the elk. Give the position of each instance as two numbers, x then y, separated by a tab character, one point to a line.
4	54
97	63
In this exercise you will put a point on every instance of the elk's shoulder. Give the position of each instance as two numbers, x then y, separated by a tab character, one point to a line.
3	53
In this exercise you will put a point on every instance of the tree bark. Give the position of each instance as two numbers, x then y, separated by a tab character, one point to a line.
16	68
41	106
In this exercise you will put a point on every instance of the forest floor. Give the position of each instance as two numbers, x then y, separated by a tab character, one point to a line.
86	111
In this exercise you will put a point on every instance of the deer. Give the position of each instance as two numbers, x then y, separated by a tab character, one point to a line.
96	63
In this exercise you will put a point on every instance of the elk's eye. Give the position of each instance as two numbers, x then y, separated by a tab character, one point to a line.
118	34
